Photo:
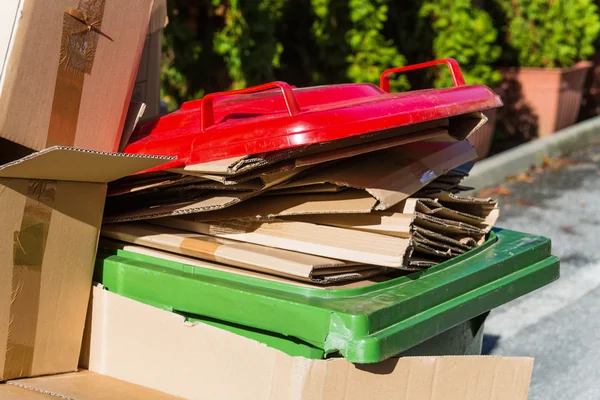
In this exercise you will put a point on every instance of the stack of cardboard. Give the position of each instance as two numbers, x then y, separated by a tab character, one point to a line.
338	213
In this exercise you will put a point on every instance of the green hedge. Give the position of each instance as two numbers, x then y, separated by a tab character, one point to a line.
215	45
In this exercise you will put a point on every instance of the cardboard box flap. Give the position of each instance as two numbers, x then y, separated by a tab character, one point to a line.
123	342
78	165
86	385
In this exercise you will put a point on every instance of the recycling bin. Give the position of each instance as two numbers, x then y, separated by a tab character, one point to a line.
437	311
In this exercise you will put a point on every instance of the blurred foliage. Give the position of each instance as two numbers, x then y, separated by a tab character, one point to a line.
467	34
370	51
550	33
216	45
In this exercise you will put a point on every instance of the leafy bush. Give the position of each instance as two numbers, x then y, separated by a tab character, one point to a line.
467	34
551	34
248	42
370	51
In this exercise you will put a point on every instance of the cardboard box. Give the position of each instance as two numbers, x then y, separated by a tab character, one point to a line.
81	385
147	82
51	206
151	347
67	70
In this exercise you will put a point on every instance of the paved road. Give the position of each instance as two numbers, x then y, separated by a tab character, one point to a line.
558	325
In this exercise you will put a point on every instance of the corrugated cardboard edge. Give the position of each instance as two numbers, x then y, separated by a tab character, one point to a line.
86	385
122	341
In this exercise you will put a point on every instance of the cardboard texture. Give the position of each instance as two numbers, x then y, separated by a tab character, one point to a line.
48	237
377	181
238	254
322	279
68	69
398	220
147	81
81	385
189	199
122	341
324	241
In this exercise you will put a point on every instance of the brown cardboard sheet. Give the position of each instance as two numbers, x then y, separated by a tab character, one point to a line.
320	278
81	385
377	181
233	253
135	342
324	241
392	175
189	199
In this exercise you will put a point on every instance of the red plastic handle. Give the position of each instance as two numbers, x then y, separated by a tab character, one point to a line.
208	118
457	76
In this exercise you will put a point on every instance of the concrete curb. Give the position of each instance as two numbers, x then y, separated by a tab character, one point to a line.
494	170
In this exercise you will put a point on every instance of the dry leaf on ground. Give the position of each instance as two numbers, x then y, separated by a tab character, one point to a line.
496	191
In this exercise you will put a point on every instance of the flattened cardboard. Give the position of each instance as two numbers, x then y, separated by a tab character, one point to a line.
377	180
392	175
48	237
324	241
237	254
96	119
81	385
122	340
203	200
359	278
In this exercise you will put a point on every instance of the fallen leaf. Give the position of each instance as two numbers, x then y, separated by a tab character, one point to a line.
524	202
568	229
524	177
498	191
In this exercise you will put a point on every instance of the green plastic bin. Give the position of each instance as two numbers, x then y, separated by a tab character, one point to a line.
365	325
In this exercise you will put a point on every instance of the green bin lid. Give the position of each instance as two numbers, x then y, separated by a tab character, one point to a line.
365	324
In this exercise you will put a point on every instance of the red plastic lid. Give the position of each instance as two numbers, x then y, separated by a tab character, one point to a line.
241	122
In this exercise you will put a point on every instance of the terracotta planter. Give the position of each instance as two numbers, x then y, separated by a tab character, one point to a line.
483	137
553	96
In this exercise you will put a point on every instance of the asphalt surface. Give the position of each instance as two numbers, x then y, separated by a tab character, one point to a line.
558	325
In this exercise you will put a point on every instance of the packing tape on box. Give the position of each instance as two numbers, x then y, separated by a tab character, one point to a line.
80	35
29	247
